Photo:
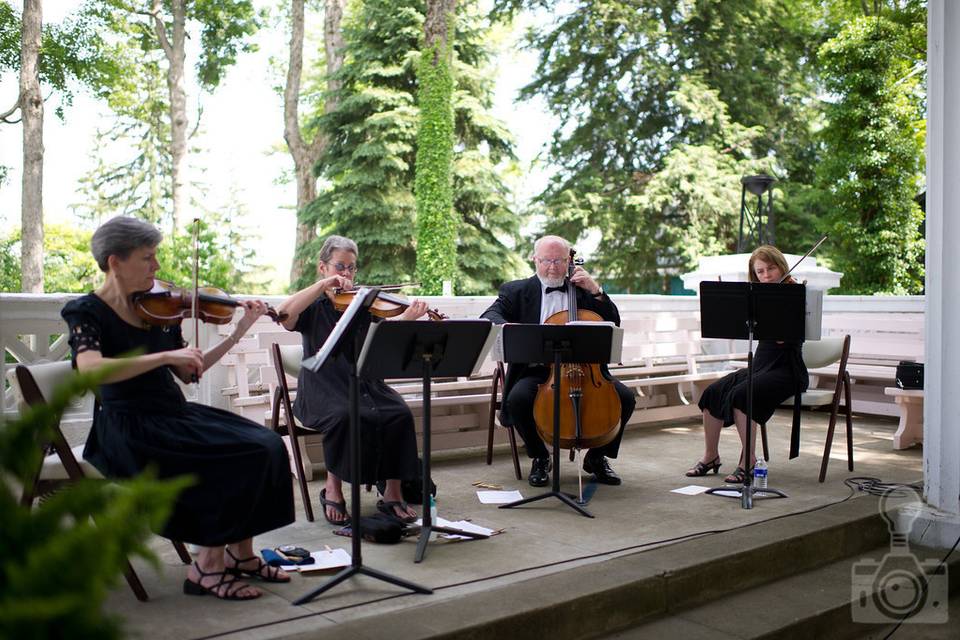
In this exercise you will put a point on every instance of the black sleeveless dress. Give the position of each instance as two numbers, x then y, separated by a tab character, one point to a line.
242	481
778	373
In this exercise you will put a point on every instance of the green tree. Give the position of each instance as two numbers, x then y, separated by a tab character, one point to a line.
67	263
874	153
35	600
140	183
611	71
368	166
220	26
437	222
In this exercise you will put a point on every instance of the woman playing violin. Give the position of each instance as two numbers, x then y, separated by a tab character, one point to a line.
389	446
778	373
242	475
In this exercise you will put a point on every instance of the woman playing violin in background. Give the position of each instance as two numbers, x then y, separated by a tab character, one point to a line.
242	474
778	373
389	446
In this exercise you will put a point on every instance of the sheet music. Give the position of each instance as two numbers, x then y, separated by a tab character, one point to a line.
813	322
359	302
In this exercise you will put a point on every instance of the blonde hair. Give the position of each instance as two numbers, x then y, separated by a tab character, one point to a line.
770	255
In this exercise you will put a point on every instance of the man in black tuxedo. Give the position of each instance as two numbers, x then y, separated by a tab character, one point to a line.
532	301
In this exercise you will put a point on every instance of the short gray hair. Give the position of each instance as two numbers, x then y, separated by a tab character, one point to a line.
337	243
540	241
120	236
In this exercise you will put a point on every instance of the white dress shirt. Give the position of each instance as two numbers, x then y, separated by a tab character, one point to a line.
552	303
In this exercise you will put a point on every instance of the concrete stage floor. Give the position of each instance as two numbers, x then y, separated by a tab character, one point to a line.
538	540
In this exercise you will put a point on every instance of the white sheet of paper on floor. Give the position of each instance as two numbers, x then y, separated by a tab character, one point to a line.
462	525
730	493
499	497
690	490
324	559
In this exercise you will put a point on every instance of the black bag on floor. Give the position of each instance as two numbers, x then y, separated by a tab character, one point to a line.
379	528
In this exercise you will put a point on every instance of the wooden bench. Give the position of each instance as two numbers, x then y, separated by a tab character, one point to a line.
910	403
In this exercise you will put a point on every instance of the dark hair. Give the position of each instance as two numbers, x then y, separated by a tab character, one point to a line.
120	236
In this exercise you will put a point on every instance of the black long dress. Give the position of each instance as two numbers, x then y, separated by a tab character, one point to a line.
388	444
778	373
242	473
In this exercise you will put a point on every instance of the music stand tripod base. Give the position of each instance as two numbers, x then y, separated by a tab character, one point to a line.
746	494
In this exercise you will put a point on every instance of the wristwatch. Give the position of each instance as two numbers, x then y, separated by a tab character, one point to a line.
598	294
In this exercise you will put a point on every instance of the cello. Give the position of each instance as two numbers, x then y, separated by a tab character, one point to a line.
589	403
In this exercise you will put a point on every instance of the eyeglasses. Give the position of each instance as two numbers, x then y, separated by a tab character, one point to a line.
553	262
343	268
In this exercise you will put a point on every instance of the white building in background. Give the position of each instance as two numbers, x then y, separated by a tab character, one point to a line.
733	268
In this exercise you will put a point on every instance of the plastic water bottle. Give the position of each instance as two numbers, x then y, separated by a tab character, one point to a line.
433	518
760	474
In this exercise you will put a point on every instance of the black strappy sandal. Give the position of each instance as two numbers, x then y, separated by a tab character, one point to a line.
703	468
225	588
737	477
272	575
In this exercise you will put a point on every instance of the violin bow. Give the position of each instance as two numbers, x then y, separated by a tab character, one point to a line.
195	302
805	256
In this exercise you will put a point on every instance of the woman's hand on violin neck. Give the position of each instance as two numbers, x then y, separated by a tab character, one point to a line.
416	310
583	280
252	309
187	361
331	283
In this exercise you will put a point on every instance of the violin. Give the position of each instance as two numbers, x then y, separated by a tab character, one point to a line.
386	305
167	304
589	403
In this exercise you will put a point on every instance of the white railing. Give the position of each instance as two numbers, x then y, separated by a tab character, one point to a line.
31	330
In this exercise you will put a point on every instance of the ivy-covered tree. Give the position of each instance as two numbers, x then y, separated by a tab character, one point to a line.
368	166
437	222
873	158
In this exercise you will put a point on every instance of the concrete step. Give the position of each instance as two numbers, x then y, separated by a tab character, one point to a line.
631	589
859	597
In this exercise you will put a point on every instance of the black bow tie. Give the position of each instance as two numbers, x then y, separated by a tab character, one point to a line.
562	288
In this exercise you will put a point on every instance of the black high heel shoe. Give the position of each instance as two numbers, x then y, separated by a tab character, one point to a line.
703	468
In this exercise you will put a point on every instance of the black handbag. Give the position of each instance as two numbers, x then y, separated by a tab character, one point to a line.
910	375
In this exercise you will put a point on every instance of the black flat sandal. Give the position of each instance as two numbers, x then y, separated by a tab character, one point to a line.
703	468
226	588
272	575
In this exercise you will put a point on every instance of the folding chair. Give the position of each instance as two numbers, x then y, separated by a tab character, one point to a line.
496	405
817	354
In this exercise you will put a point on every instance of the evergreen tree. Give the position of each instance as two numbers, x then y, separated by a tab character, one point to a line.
369	163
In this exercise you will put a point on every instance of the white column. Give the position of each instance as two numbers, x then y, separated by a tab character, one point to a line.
941	416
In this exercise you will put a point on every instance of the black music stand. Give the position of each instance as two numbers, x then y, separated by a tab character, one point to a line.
748	310
346	329
540	343
410	349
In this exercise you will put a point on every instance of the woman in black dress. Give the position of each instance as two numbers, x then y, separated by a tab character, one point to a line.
242	484
778	373
388	442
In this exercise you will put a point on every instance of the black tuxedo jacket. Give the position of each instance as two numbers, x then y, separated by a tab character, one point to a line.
519	301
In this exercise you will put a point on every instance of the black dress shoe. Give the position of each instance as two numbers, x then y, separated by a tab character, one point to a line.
539	472
601	470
